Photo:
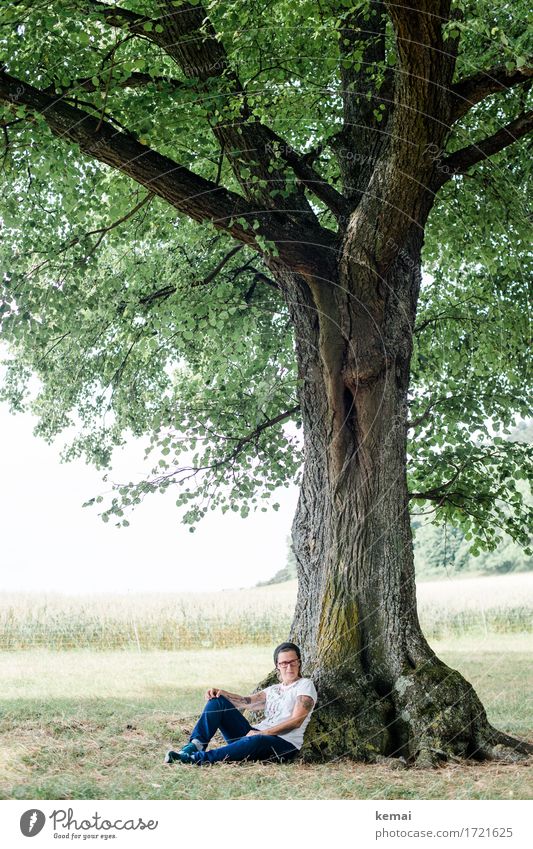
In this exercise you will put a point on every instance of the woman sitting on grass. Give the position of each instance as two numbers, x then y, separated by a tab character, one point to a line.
288	707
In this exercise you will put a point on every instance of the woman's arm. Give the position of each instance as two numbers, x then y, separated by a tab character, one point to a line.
304	705
254	701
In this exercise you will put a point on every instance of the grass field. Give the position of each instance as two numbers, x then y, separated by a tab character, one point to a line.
95	725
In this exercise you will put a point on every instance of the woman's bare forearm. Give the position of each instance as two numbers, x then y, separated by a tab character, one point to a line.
235	699
256	700
283	727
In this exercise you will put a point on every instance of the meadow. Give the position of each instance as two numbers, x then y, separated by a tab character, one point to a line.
95	721
257	616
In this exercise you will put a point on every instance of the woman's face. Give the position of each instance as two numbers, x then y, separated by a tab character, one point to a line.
288	666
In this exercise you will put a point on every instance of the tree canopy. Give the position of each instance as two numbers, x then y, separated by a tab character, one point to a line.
149	309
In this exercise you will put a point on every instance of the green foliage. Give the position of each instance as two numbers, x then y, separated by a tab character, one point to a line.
444	551
470	362
109	302
491	34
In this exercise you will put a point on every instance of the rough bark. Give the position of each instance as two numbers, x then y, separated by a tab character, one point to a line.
382	690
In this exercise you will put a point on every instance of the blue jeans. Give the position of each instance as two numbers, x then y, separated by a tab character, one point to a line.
221	714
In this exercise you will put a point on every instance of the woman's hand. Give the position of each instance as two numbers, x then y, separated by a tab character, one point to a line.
253	731
213	693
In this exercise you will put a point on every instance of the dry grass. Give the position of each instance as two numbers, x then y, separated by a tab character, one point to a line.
486	605
259	616
126	707
107	738
148	621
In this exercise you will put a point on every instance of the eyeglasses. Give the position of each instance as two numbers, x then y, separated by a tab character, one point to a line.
283	664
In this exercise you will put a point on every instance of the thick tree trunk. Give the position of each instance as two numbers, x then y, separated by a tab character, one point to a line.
382	690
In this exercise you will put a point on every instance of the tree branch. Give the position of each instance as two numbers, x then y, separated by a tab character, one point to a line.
421	419
169	290
440	491
462	160
310	178
135	80
117	16
258	276
471	90
401	175
426	66
101	230
159	294
189	38
197	197
241	441
219	266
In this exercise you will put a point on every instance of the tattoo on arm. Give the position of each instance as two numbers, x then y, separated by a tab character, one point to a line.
247	700
306	701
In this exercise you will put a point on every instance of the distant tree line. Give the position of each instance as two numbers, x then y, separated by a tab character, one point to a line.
440	551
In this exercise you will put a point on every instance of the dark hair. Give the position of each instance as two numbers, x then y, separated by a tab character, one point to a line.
286	647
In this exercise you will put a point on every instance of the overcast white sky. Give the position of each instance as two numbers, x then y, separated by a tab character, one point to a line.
49	542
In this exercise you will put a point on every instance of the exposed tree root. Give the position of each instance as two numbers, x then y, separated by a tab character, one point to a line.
507	748
431	716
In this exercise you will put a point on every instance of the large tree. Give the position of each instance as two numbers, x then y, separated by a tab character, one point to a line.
214	220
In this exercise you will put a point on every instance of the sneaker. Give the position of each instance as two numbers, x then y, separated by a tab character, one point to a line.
189	749
184	755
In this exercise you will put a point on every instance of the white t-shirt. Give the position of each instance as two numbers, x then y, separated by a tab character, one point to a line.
280	703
